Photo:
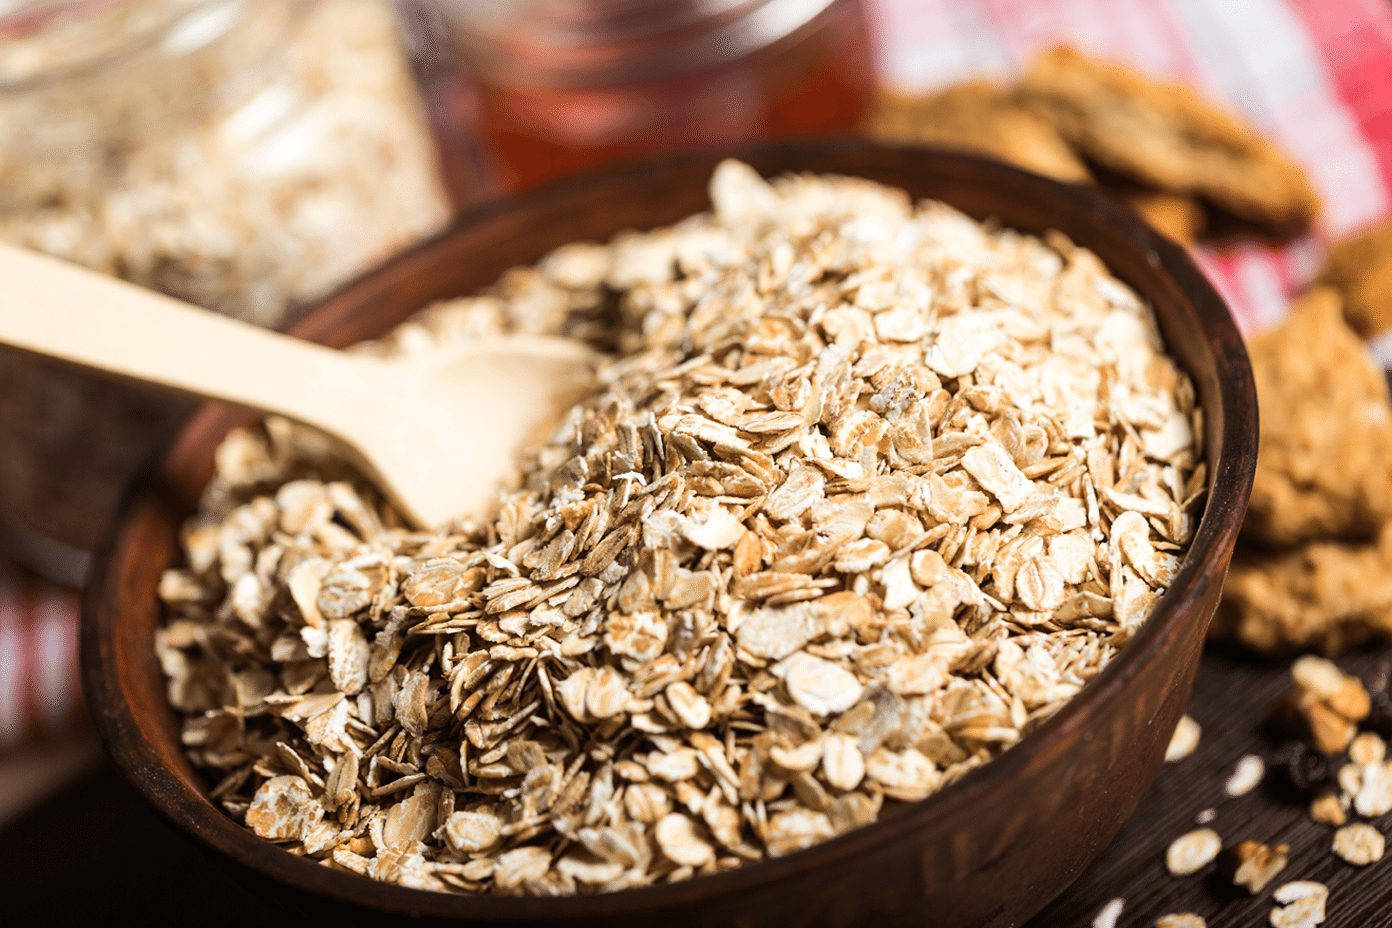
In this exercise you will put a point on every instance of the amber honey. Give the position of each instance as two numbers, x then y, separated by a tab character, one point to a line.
551	87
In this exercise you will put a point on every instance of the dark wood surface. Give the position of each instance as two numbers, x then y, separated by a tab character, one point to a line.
97	849
982	852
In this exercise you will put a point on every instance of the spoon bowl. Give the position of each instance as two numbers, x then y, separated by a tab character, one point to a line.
443	430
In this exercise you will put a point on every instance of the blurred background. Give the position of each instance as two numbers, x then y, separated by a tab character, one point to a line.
252	155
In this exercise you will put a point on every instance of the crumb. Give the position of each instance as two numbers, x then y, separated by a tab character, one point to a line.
1367	748
1181	920
1299	904
1192	851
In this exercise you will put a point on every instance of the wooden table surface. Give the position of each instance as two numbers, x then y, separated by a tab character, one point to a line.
95	849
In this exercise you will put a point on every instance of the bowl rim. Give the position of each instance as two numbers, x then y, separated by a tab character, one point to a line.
1231	471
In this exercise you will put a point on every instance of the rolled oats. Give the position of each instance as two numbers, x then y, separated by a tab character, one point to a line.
1181	920
1109	914
1245	776
1257	864
1359	844
1327	809
839	526
1184	741
1300	904
1191	852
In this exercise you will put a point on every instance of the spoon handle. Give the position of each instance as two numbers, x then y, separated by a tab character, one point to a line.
57	309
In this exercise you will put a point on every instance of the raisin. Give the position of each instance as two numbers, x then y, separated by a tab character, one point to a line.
1306	769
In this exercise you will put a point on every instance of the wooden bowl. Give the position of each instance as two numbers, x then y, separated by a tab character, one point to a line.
991	849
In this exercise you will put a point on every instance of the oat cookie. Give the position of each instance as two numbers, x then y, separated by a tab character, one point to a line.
1325	465
1167	136
1359	266
1323	595
1180	217
979	116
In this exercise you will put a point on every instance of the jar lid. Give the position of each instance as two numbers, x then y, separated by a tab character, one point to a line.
598	42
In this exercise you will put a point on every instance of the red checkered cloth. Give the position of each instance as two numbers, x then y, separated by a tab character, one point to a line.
38	658
1314	74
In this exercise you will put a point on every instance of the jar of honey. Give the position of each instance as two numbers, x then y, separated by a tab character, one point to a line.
527	90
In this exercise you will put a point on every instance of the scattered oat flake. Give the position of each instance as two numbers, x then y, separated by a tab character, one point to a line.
1192	851
1327	809
1109	914
1300	904
1367	748
1205	816
1374	795
1258	864
1245	776
1359	844
1181	920
1184	740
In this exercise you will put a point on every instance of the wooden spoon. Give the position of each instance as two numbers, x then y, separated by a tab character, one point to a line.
438	432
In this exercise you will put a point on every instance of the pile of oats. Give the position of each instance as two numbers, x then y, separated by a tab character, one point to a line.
867	490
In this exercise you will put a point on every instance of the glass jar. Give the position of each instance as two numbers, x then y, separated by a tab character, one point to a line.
246	156
532	89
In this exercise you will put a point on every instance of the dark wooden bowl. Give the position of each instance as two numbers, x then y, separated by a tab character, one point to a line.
990	850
